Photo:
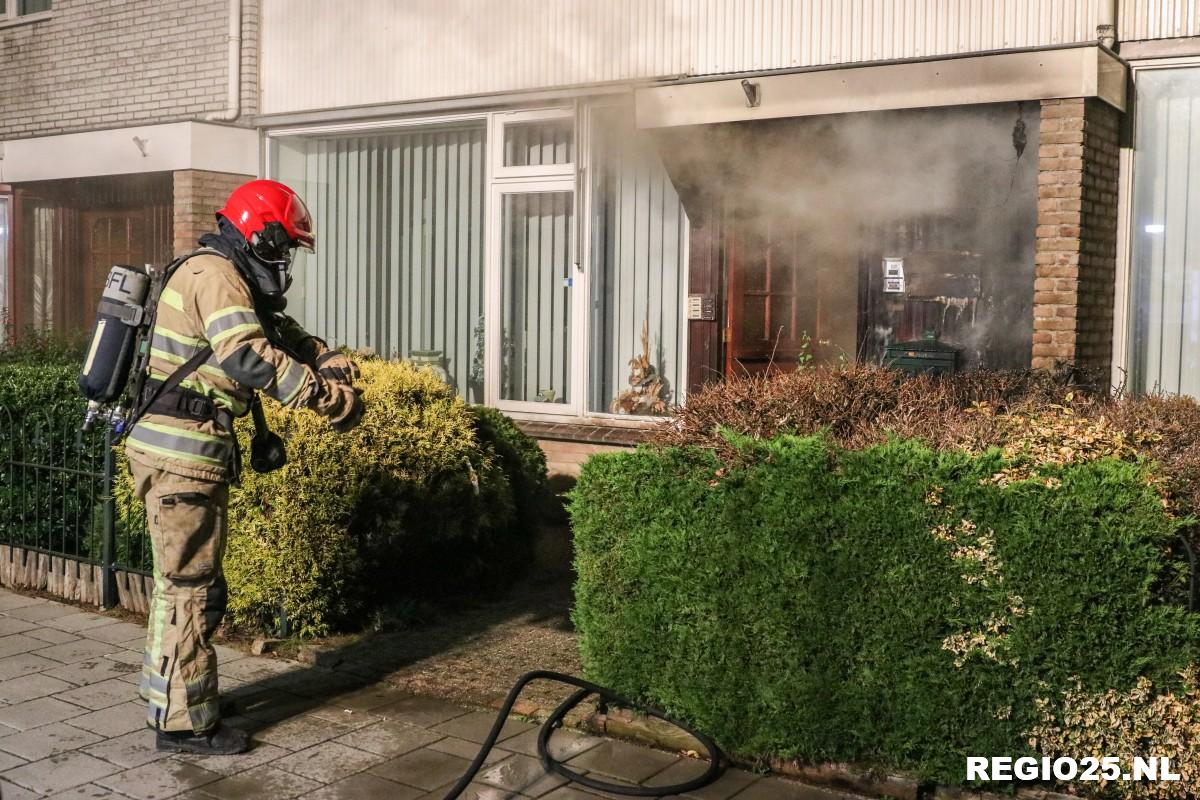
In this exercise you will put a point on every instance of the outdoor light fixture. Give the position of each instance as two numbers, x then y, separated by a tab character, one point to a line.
752	95
1155	228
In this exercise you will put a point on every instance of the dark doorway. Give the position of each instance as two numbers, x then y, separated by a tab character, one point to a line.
67	234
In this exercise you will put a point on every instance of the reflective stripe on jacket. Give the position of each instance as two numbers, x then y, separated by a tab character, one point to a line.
206	302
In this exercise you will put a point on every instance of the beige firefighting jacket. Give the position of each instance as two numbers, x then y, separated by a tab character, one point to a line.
206	301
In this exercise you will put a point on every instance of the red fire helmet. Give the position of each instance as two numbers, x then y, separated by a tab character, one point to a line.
252	206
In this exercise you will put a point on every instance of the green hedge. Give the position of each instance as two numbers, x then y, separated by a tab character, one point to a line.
893	606
429	496
426	497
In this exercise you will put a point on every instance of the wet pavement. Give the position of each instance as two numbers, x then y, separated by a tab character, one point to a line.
71	726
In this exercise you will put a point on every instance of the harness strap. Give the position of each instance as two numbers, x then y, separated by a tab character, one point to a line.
187	404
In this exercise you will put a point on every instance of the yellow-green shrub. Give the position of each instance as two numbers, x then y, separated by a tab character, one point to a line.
411	502
1144	721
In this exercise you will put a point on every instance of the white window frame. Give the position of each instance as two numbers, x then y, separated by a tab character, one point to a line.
10	16
500	180
500	122
1124	314
520	180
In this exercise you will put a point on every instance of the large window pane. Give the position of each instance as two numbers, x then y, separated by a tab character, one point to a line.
1165	233
536	291
639	267
399	258
32	6
541	143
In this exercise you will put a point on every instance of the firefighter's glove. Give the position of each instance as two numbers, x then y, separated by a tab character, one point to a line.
352	408
333	365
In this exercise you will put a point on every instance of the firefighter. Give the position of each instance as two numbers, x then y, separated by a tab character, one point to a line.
227	296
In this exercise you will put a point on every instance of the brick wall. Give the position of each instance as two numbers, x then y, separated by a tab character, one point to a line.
197	196
1076	235
566	458
99	64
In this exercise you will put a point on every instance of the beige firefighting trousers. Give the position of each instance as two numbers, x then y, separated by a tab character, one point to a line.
186	518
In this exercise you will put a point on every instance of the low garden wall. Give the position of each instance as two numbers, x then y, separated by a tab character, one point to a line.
851	596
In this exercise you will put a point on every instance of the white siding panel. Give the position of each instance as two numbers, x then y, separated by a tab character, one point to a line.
319	55
1158	19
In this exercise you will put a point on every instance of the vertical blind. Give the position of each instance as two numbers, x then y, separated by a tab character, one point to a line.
1165	235
639	262
536	266
399	259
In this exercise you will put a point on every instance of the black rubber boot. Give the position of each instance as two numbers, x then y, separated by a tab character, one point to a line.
220	741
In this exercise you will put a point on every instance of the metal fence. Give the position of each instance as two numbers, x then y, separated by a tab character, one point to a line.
62	527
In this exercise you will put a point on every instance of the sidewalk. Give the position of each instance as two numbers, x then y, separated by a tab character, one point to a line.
71	727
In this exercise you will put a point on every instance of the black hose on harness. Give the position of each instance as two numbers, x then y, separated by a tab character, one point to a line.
716	759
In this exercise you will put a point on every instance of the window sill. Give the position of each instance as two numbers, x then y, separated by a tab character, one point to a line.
589	430
28	19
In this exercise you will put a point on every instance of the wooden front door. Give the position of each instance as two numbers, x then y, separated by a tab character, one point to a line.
110	237
765	301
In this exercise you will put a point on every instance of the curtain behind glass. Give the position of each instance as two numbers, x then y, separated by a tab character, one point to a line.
5	216
399	257
1165	233
639	269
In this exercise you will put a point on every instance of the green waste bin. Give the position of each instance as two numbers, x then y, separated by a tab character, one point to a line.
925	355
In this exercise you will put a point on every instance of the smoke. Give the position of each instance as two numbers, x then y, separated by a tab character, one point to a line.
952	191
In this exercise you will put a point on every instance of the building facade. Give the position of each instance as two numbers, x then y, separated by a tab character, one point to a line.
584	211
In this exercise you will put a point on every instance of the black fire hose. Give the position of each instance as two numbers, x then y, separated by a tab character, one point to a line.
716	759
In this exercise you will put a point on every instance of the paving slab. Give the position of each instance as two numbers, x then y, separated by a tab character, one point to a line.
96	696
46	741
94	671
522	774
622	760
264	781
328	762
130	657
231	765
564	744
685	769
35	713
423	711
10	791
119	633
79	621
475	727
422	769
74	652
299	733
479	791
31	687
52	636
10	600
23	664
369	698
468	750
89	791
389	738
8	761
780	789
59	772
10	625
17	643
37	612
115	721
156	781
364	787
129	750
